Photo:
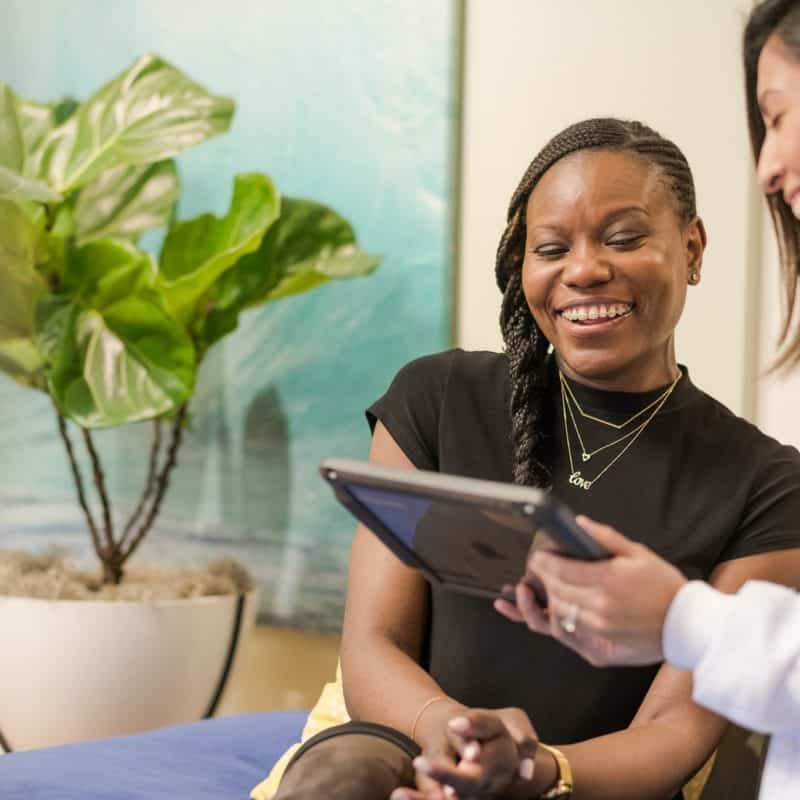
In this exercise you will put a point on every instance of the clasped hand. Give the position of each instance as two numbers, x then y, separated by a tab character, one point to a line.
479	754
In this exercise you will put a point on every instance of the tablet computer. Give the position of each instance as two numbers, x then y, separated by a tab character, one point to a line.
469	535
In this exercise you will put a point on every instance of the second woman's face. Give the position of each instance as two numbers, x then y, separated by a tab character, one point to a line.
607	262
778	95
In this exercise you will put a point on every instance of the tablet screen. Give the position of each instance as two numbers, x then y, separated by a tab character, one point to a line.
459	542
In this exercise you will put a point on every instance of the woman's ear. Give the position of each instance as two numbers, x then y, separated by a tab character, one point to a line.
695	240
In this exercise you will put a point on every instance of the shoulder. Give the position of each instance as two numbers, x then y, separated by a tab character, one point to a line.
754	447
467	369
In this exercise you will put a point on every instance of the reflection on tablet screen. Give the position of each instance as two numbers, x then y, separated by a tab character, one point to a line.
460	543
400	513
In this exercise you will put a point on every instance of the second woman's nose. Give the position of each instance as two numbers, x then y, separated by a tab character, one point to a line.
769	170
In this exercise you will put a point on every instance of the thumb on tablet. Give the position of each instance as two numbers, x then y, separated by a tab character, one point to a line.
611	539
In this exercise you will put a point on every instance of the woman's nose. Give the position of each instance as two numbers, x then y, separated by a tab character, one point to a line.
586	269
769	171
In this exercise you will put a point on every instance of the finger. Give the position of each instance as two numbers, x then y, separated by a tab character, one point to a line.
551	566
467	749
435	793
519	726
477	724
408	794
465	779
583	640
609	537
430	788
561	594
508	610
535	617
522	732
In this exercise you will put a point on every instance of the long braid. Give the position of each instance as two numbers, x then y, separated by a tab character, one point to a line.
526	345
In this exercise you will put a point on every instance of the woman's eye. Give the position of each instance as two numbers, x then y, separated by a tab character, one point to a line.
550	250
625	240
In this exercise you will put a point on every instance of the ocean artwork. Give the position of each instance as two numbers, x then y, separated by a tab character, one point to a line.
353	104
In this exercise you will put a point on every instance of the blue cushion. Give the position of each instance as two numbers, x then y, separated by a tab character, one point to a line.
217	759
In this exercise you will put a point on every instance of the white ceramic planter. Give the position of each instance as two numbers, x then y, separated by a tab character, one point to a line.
74	670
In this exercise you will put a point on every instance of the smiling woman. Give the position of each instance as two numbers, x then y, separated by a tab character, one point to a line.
602	240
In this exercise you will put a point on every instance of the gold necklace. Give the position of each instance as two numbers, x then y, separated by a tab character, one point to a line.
616	425
587	454
575	478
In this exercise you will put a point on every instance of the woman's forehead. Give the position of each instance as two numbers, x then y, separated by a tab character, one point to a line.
599	179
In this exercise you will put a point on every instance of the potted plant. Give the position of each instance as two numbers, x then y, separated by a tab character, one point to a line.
115	336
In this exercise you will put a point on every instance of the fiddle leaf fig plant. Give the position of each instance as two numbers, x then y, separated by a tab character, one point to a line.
113	334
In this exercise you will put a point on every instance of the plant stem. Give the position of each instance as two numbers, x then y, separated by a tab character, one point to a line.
100	483
149	486
76	474
162	483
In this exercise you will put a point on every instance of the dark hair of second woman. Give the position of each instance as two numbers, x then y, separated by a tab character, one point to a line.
526	346
781	17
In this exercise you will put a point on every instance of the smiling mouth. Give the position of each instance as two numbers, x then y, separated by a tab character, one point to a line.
596	313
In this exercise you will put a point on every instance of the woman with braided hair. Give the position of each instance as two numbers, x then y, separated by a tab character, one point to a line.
602	241
637	608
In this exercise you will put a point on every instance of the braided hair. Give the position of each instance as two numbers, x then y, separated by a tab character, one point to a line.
525	344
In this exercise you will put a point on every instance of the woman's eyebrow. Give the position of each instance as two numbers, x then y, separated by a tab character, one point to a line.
607	218
616	213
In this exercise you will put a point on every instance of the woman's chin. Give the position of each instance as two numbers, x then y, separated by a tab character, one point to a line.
607	371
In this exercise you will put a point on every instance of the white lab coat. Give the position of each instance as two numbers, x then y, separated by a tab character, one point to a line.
744	652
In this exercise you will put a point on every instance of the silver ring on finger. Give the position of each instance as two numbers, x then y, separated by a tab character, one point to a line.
570	622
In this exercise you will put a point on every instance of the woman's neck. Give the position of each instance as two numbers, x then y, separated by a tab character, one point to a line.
645	378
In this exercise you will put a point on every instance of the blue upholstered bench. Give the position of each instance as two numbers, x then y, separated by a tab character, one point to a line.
216	759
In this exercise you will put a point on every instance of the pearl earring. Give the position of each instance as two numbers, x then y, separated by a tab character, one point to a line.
694	278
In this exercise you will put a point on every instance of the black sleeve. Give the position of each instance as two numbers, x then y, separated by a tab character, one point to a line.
411	408
771	519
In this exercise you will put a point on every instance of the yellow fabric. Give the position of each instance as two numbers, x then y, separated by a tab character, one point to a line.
329	710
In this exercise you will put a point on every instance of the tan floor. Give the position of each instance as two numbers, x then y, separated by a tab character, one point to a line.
280	668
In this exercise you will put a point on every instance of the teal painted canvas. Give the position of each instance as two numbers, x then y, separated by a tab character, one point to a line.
353	104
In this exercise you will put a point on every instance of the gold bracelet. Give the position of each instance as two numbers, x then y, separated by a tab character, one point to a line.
429	702
562	788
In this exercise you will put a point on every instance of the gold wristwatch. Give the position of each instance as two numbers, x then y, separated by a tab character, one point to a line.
562	788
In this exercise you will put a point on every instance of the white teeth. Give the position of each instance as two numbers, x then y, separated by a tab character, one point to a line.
593	312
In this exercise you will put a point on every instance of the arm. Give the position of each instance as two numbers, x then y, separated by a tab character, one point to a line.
744	651
384	623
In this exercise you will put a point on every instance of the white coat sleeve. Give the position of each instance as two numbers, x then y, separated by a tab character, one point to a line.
743	650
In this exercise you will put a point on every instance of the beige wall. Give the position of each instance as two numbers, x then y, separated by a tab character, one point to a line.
534	66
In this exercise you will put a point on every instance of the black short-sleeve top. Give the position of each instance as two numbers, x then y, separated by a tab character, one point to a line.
699	486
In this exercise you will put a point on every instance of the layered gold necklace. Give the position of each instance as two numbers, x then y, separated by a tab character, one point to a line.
643	417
